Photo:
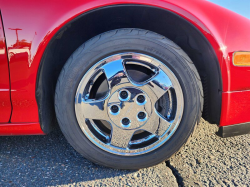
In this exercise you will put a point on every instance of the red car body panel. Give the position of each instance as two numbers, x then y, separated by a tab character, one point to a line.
39	21
239	107
5	104
14	129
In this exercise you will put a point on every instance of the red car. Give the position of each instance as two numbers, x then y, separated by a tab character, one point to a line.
127	80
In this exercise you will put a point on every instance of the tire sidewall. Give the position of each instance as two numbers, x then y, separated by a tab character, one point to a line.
89	54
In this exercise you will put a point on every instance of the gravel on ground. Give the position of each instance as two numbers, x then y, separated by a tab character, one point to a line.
51	161
207	160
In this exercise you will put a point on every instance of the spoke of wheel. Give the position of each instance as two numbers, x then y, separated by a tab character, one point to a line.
160	84
121	137
115	73
94	109
156	124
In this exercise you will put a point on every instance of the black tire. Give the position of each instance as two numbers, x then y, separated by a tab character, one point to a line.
117	41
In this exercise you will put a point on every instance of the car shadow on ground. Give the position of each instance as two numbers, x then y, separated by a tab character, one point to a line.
47	160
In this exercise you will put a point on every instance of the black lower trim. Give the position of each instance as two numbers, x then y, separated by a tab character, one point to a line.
234	130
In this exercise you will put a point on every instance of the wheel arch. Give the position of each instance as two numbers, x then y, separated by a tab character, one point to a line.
73	33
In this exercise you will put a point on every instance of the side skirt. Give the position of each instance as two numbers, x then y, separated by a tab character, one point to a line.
14	129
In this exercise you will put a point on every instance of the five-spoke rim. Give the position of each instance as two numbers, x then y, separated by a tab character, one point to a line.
126	119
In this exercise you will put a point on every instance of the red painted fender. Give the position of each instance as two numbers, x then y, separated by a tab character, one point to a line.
40	20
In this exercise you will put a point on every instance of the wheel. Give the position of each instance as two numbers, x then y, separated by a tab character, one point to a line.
128	99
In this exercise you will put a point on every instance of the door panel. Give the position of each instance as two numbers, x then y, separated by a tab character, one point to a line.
5	104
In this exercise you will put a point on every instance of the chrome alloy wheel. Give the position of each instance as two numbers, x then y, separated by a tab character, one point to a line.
122	113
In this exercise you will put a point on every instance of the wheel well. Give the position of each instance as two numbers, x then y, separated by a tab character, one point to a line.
161	21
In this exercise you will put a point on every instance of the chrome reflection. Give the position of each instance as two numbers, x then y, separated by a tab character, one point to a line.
137	115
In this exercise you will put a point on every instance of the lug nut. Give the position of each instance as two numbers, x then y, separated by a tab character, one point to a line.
125	121
141	115
140	99
123	94
114	108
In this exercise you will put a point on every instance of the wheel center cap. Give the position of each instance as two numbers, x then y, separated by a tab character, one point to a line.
129	108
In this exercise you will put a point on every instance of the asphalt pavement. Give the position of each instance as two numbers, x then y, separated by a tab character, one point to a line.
207	160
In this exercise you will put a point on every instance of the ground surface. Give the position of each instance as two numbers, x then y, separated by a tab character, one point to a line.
206	160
